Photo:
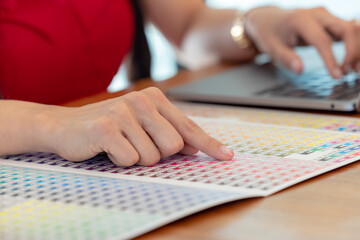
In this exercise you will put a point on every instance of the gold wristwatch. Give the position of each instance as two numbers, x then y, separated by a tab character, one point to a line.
238	32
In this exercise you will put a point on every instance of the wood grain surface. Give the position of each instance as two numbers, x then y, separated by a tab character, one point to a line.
325	207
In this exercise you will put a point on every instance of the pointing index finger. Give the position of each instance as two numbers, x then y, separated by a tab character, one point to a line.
196	137
191	133
314	34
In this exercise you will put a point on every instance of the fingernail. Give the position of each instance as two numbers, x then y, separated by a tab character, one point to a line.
347	69
338	73
295	66
227	151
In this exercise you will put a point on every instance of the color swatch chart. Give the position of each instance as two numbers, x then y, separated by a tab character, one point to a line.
284	118
41	193
43	205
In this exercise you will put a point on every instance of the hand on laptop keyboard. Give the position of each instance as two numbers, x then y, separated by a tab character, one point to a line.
284	29
317	86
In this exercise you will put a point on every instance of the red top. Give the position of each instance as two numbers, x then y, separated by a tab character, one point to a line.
53	51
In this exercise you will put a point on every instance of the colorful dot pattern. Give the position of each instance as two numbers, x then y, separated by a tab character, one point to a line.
284	118
267	157
37	204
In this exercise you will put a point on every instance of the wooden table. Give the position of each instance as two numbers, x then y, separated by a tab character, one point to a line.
326	207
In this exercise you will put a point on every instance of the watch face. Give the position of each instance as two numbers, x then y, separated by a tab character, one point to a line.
238	33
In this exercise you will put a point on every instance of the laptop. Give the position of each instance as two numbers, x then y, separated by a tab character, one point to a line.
264	84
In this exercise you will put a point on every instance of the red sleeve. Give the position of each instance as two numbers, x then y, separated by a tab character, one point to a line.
53	51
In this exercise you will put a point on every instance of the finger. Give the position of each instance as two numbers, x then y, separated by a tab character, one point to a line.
351	48
140	140
163	134
189	150
196	137
345	31
357	66
191	133
167	140
120	151
285	55
314	34
356	62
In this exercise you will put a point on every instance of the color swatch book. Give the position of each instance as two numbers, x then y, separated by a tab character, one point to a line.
43	196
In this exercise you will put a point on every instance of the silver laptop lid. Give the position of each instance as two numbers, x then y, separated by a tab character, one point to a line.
267	85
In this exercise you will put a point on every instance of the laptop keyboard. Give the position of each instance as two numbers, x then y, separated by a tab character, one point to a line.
319	85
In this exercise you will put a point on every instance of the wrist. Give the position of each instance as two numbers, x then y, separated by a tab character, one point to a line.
254	19
238	32
26	127
47	127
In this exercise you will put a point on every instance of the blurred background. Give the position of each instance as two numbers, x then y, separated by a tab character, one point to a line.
164	64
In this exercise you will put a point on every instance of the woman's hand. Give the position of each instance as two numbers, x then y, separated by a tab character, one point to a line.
276	31
137	128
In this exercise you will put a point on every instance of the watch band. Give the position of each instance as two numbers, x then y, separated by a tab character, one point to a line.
238	33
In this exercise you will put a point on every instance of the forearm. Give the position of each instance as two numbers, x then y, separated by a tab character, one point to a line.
210	33
23	127
197	31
